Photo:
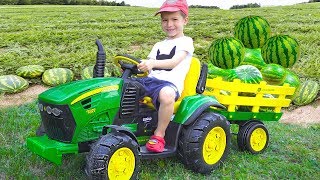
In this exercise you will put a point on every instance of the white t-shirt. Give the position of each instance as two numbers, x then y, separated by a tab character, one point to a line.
166	49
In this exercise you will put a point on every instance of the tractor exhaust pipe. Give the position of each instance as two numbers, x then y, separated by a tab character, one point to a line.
98	70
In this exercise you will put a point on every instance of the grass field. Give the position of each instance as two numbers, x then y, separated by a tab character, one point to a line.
64	36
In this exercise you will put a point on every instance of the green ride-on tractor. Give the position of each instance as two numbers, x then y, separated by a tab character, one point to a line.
110	119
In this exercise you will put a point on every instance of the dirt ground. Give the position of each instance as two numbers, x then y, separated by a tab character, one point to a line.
303	115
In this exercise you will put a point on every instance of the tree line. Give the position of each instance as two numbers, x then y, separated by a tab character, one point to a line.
62	2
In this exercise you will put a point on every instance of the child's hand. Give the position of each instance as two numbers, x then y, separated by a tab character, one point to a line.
146	65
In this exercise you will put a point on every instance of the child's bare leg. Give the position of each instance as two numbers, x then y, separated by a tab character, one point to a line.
167	98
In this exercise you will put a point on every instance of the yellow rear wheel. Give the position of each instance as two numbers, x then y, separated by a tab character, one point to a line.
214	145
204	144
258	139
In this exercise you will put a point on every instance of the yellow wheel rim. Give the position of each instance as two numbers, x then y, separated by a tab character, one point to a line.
121	164
214	145
258	139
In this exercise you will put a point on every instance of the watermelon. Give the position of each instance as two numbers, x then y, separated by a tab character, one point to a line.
246	73
87	72
274	74
115	70
226	53
30	71
253	31
281	49
293	80
12	84
253	57
306	93
57	76
214	71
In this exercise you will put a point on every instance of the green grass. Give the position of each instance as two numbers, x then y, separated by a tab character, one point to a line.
64	36
293	153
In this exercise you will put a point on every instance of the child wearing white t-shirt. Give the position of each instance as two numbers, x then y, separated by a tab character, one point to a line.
168	64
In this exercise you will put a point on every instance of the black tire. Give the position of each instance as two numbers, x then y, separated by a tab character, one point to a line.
209	129
100	162
253	137
41	131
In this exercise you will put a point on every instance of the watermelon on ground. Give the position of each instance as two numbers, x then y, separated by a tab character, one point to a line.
30	71
274	74
253	31
246	73
253	57
57	76
12	84
226	53
306	93
281	49
87	72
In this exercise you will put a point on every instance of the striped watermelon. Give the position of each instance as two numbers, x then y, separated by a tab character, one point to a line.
87	72
253	57
57	76
274	74
306	93
226	53
12	84
292	79
281	49
253	31
30	71
246	73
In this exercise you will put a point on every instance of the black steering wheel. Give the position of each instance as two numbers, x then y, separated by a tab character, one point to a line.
126	61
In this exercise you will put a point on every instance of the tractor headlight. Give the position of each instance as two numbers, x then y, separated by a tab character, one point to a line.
40	106
56	111
49	110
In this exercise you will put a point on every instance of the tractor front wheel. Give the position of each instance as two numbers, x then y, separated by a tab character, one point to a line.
113	156
204	145
253	137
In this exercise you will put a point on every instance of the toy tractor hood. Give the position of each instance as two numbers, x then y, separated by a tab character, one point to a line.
71	92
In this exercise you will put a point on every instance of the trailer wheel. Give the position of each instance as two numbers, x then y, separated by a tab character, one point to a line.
253	137
113	156
204	145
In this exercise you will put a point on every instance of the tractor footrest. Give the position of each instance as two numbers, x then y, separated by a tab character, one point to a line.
168	152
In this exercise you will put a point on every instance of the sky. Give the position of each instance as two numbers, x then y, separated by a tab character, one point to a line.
222	4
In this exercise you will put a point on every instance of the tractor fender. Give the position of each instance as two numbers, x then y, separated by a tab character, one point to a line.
116	128
192	107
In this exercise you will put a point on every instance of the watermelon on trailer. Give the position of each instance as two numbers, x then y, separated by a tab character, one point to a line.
30	71
306	93
253	31
246	73
274	74
281	49
293	80
226	53
214	71
57	76
87	72
12	84
253	57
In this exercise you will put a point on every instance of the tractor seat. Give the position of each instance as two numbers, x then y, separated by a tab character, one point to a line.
195	77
